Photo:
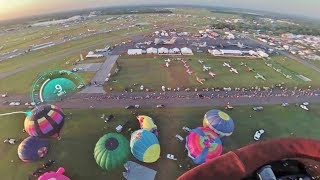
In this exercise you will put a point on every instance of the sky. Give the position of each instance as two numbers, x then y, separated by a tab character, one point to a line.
10	9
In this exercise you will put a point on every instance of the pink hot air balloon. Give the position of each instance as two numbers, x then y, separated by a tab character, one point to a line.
54	175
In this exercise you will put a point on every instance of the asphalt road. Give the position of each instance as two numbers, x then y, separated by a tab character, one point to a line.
180	99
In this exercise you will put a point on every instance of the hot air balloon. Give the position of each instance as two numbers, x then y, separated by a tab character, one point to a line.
111	151
145	146
54	175
147	123
219	122
203	144
44	121
32	149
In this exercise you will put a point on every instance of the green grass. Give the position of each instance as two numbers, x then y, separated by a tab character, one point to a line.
82	131
20	83
77	46
150	72
297	68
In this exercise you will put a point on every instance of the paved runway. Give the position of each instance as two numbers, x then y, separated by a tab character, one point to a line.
101	75
89	67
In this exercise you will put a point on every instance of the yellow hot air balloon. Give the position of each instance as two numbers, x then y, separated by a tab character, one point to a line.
147	123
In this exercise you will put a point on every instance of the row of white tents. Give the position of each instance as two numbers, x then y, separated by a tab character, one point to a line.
228	52
161	51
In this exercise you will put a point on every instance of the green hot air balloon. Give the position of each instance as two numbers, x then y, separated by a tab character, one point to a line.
111	151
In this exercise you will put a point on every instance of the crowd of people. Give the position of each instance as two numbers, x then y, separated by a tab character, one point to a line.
211	94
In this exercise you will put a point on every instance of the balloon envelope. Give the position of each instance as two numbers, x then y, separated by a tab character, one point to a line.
203	144
219	122
32	149
147	123
111	151
145	146
44	121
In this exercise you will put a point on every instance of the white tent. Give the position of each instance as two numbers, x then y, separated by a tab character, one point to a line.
152	50
176	50
215	52
135	171
163	50
91	54
186	51
134	51
262	54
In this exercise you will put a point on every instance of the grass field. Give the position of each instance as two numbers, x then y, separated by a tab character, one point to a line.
24	37
150	72
21	83
76	46
82	131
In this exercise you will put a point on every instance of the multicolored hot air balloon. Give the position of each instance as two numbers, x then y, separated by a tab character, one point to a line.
203	144
44	121
32	149
111	151
145	146
147	123
54	175
219	122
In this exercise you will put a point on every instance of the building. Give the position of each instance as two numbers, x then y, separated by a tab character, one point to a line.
229	52
152	50
132	52
106	49
186	51
262	54
253	53
91	54
163	50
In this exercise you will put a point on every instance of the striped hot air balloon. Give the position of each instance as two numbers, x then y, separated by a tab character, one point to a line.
145	146
219	121
33	149
45	121
111	151
203	144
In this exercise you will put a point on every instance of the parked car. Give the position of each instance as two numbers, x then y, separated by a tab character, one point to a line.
258	134
160	106
109	118
179	138
137	106
304	107
119	128
129	107
186	129
259	108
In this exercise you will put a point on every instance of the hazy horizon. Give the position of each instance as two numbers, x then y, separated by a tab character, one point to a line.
23	8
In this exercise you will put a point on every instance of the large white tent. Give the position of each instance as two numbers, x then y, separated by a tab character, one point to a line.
152	50
163	50
186	51
134	52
